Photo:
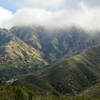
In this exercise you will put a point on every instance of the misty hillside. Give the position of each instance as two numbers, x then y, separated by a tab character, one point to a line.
56	43
24	50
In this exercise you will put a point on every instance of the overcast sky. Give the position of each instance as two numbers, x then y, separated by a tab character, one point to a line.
51	13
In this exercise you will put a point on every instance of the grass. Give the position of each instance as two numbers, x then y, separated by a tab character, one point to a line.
22	93
71	75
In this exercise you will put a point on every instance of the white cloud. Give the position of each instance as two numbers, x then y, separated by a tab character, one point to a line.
5	16
30	16
85	17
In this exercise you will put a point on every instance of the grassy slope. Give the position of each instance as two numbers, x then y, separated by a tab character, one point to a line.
71	75
78	74
93	92
22	93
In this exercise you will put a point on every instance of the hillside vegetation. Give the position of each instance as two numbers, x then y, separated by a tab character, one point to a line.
25	50
71	75
16	57
73	72
22	93
56	43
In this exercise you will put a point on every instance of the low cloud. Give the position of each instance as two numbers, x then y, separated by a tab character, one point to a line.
5	16
85	17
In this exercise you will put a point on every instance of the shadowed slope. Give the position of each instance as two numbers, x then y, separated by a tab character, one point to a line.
56	43
70	75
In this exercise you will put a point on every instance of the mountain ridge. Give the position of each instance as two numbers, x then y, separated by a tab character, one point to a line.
56	43
15	54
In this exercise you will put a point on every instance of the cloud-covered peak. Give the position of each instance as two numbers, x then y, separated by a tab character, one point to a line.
52	13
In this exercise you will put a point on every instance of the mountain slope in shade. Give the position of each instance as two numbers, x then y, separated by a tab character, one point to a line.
14	53
70	75
56	43
93	92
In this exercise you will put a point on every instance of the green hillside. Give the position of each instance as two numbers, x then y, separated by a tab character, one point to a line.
69	78
71	75
22	93
93	92
74	78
